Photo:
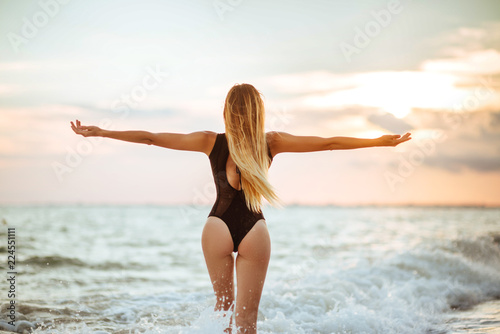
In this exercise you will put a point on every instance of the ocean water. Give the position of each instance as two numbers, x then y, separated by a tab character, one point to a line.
140	269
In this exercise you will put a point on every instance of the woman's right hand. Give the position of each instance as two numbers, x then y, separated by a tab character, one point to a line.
86	131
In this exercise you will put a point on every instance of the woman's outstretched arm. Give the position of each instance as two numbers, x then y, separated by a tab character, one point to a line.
280	142
201	141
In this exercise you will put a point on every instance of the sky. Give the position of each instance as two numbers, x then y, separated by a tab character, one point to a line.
325	68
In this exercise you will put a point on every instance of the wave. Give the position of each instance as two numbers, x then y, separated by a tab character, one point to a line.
466	271
52	261
409	292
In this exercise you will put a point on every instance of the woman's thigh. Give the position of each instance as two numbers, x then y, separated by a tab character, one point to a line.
251	269
217	247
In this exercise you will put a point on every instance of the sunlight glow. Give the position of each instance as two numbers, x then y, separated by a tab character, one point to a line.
395	92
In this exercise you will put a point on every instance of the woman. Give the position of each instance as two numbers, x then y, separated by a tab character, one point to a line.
240	158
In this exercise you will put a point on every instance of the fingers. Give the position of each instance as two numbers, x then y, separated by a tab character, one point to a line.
406	137
74	128
78	128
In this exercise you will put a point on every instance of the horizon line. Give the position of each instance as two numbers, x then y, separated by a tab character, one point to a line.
339	205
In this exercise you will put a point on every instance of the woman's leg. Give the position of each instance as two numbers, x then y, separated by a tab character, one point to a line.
217	247
254	252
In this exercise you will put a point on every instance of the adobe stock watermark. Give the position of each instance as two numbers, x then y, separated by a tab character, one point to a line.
31	26
426	147
364	36
299	271
223	6
121	107
199	202
278	119
471	102
416	157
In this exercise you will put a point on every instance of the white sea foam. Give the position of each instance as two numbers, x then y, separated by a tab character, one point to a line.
405	293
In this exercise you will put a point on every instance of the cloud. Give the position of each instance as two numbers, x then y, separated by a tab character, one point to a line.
465	40
391	92
457	163
44	131
495	121
467	50
477	62
390	122
469	140
311	82
396	92
356	121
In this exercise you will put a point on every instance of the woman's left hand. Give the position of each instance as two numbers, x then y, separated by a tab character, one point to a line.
394	140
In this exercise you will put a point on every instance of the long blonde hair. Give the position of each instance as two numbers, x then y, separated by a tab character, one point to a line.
244	117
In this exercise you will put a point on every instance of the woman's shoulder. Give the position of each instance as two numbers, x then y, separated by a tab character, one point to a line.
212	138
210	133
273	137
209	136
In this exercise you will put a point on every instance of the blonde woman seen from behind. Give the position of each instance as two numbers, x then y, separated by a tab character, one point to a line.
235	233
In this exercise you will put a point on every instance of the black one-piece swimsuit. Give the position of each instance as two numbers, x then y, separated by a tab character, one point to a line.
230	203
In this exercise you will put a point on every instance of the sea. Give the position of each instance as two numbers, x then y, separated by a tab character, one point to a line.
140	269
